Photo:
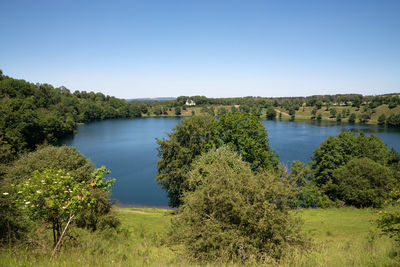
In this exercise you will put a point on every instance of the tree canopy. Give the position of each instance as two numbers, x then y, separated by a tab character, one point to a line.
363	182
32	114
335	163
242	132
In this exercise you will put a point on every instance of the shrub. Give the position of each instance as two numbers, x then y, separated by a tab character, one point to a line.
69	160
232	213
363	182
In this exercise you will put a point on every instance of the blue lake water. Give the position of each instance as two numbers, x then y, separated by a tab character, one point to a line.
128	148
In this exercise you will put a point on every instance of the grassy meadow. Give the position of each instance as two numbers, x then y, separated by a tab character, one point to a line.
340	237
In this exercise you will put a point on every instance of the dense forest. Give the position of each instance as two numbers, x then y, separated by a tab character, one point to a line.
33	114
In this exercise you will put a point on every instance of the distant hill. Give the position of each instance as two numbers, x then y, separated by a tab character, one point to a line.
152	99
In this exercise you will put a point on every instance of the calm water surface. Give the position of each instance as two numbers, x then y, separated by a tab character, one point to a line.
128	149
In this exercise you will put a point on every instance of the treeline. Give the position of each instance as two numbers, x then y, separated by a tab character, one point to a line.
350	107
33	114
355	100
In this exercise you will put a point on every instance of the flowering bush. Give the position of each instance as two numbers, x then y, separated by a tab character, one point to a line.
54	196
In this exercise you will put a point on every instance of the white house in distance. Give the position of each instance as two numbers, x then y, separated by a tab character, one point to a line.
190	103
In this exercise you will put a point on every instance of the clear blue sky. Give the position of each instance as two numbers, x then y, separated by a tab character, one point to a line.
215	48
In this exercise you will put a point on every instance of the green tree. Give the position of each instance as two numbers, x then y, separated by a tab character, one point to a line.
319	116
338	117
248	136
307	194
313	113
382	119
352	118
363	182
242	132
222	111
394	120
337	151
234	214
177	111
187	141
65	158
318	104
344	113
271	113
393	103
333	112
157	110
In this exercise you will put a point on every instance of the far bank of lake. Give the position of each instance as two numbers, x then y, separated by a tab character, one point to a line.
128	148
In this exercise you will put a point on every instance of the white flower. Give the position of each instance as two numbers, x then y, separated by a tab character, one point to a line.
55	182
19	192
5	193
38	191
42	181
28	202
63	208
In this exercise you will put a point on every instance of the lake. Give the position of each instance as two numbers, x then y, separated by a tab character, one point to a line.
128	148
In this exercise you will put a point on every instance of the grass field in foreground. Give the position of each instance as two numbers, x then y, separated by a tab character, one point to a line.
341	237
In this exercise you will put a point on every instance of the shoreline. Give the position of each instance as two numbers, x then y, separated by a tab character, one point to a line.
141	206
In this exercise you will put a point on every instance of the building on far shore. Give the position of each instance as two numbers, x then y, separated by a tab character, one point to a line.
190	103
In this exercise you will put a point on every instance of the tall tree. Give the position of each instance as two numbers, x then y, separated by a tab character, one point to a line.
242	132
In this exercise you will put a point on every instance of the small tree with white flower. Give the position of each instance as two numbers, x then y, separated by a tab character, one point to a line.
55	197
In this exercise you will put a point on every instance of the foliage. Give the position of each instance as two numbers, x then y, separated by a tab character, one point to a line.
32	114
332	112
54	196
339	117
234	213
222	111
382	119
243	132
248	137
352	118
389	221
187	140
394	120
306	193
66	158
337	151
177	111
63	158
362	183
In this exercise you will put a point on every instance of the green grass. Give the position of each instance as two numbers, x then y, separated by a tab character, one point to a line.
340	237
